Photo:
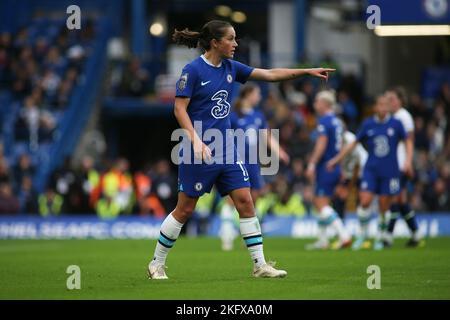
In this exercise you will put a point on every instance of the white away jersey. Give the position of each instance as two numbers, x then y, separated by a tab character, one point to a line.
408	124
357	156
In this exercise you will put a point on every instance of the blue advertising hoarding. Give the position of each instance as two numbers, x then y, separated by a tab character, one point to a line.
82	227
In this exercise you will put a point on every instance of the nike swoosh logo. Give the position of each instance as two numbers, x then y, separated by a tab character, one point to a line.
246	179
205	83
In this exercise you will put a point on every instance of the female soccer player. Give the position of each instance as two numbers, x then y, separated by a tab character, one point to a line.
202	97
400	205
244	117
381	173
328	144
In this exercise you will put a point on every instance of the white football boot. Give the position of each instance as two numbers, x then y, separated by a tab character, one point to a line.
157	271
268	271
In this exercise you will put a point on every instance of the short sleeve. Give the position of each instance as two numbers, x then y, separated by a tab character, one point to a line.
362	133
401	131
321	128
243	71
186	82
408	123
349	137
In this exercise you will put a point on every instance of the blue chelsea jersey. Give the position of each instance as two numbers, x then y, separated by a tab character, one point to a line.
210	91
250	122
330	126
382	139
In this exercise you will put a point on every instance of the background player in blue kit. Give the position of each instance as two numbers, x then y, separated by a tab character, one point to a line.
203	95
400	206
251	121
328	144
382	134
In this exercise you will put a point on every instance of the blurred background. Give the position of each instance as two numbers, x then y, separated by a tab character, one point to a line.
86	115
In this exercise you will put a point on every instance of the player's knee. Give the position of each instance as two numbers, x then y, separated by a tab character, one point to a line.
244	205
365	200
185	211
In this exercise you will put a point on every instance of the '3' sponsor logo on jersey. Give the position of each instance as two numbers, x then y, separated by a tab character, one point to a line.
222	107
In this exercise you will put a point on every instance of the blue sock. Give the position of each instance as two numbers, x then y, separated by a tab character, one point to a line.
395	210
409	216
339	207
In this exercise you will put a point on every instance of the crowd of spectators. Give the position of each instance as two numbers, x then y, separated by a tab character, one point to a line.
41	72
107	189
110	189
40	66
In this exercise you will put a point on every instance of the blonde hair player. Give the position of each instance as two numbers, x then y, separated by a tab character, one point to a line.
329	142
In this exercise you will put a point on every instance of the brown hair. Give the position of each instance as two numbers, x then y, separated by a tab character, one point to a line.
243	93
214	29
400	92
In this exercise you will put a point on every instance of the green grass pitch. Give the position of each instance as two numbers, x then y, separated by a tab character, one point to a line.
198	269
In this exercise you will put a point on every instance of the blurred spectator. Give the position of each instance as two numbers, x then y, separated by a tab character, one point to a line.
54	61
438	198
40	49
9	204
108	208
87	179
148	203
50	203
300	144
296	176
164	184
27	196
116	188
63	182
62	97
286	202
24	168
135	80
27	124
34	125
5	174
435	137
349	110
418	108
50	83
420	135
444	96
76	55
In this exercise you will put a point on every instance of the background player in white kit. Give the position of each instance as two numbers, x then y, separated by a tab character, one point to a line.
355	160
397	100
357	157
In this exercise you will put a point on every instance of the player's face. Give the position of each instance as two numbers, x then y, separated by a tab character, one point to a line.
382	107
227	44
393	100
320	105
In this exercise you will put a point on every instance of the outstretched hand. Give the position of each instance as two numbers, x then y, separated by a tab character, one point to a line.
320	72
331	164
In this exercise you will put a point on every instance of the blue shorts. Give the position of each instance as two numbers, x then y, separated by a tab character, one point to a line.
378	184
326	181
196	179
254	172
